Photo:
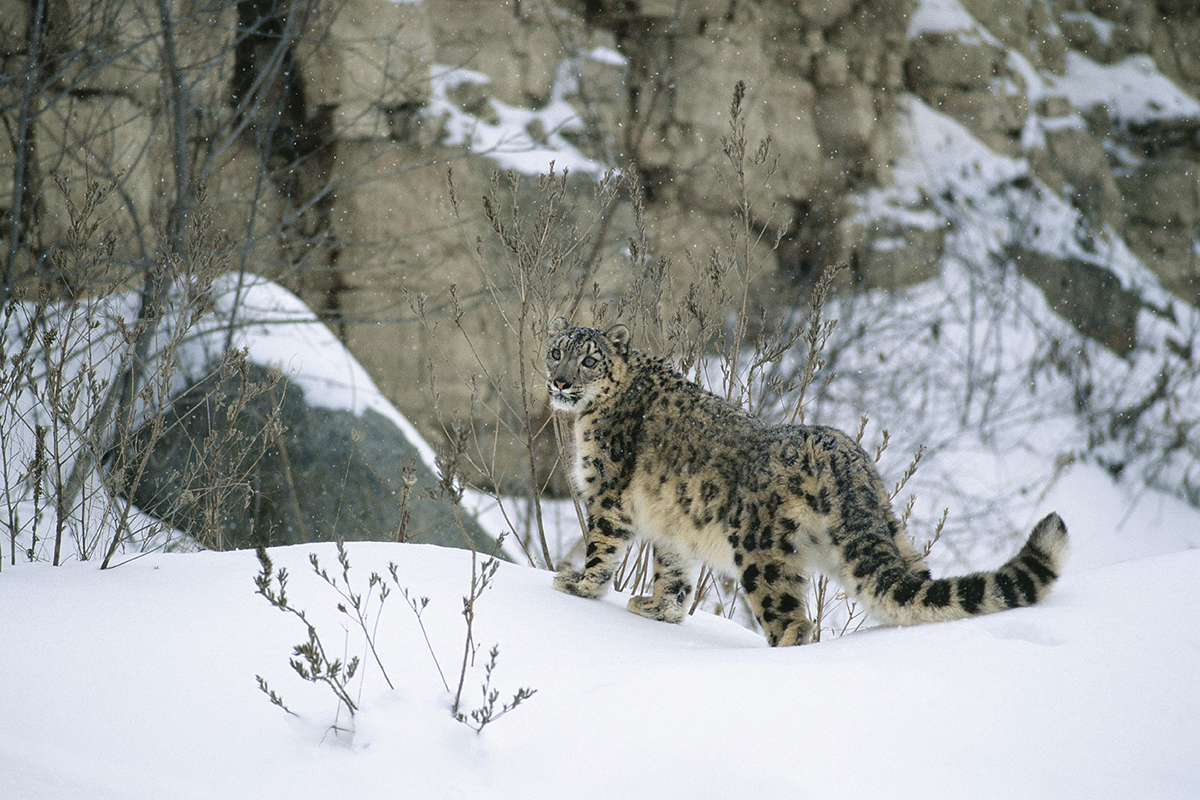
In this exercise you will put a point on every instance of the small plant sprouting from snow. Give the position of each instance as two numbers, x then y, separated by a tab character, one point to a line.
309	660
488	712
481	579
363	610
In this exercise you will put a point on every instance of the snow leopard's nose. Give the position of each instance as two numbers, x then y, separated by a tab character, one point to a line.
561	385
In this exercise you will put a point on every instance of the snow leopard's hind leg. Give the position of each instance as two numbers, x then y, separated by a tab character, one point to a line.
777	589
672	587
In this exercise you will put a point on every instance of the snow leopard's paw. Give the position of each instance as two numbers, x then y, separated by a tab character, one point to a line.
662	610
574	581
797	632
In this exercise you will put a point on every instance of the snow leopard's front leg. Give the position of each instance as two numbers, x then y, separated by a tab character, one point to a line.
608	537
672	586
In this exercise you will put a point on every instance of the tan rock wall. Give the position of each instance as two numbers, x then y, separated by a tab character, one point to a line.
340	189
364	59
517	45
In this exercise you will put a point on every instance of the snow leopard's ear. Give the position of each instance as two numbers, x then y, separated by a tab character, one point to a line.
619	336
558	325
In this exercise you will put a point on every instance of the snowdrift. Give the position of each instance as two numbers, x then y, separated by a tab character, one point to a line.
140	683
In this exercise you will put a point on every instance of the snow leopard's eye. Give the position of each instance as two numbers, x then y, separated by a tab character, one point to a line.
556	354
590	362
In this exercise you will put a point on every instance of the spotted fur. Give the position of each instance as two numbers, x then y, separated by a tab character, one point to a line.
660	457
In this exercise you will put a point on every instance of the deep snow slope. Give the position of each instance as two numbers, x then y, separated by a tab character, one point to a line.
139	683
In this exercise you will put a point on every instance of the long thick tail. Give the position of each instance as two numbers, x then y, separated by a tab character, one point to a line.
905	597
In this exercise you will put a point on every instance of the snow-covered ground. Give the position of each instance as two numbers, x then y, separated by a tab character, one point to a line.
140	683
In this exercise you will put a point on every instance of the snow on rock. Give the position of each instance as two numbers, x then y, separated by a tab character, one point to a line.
524	140
280	331
941	16
1133	90
992	327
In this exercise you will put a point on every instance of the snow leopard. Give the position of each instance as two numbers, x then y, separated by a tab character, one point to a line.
658	456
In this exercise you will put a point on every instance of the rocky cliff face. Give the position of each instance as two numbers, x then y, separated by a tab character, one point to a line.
1030	80
323	129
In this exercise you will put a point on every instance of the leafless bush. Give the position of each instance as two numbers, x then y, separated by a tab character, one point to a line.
309	659
543	258
114	121
362	610
92	372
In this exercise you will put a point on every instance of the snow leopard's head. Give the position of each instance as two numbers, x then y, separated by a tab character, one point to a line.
584	366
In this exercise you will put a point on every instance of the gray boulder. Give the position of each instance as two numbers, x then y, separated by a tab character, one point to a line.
242	460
